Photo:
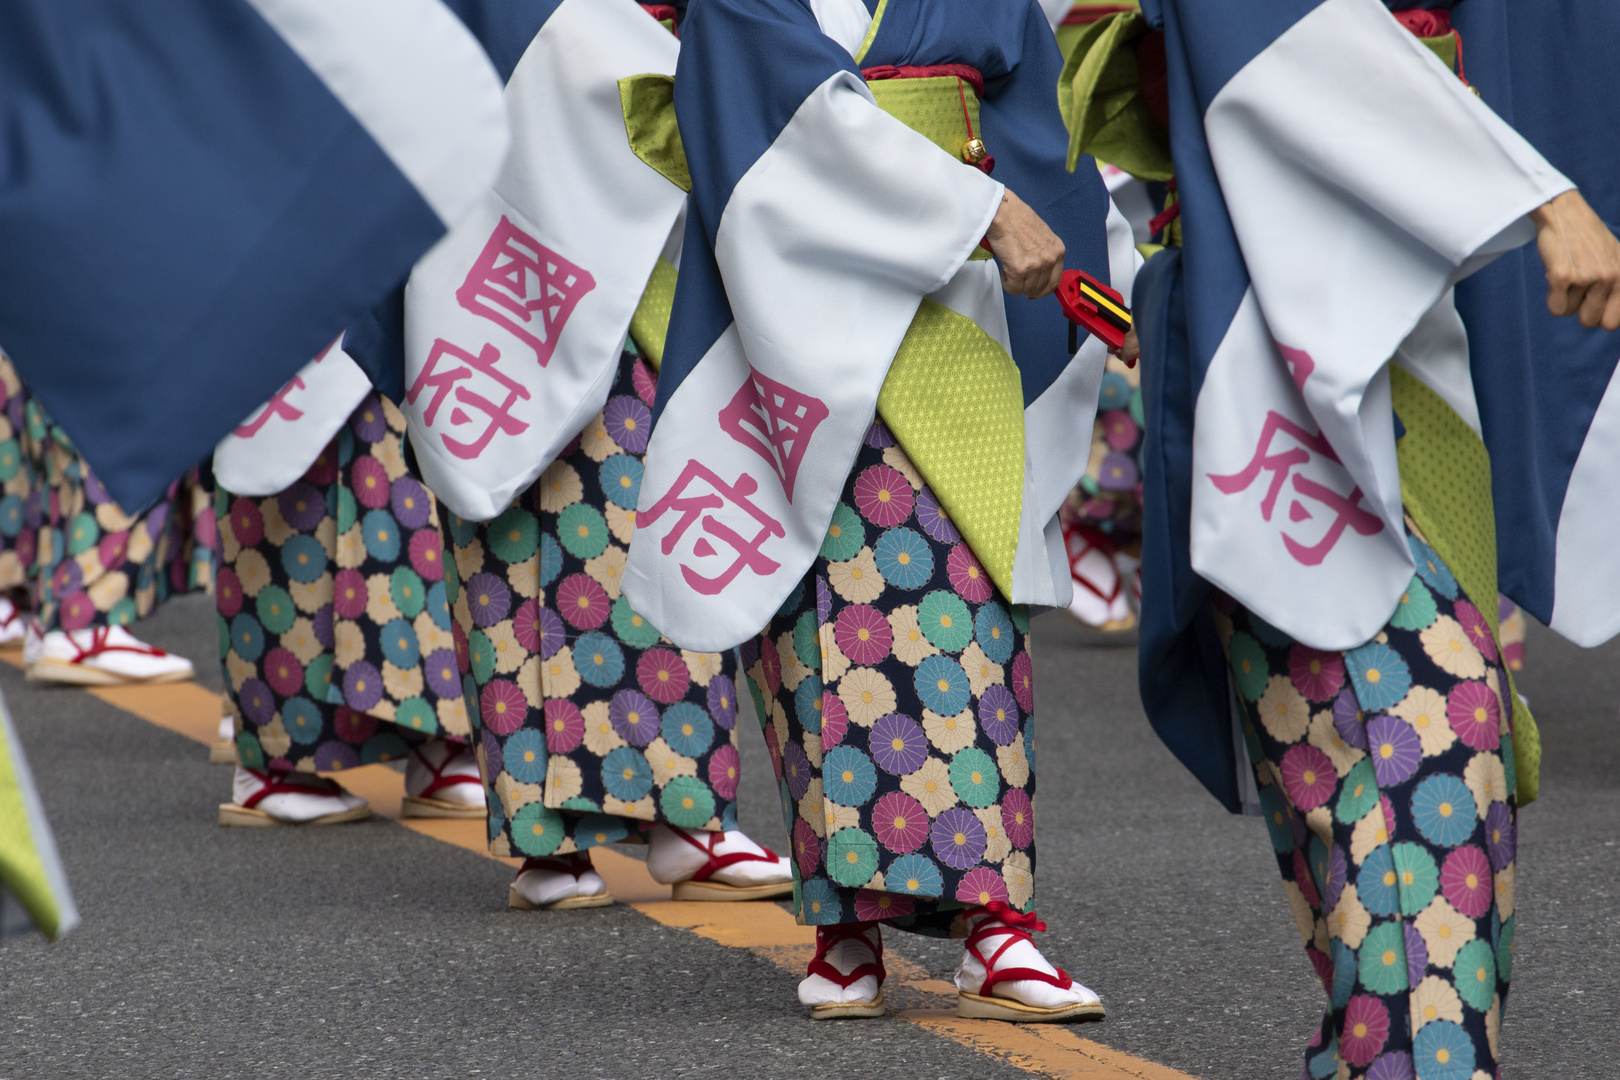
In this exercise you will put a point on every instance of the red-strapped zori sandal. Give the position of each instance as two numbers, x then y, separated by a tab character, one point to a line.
576	865
702	886
999	920
826	938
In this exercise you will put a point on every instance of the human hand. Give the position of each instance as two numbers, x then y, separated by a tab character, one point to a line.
1130	349
1030	254
1582	258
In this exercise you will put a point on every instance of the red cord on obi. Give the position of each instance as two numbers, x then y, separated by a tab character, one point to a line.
661	12
1432	24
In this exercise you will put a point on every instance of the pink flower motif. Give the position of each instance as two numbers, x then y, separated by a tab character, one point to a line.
980	886
228	592
370	482
1389	814
323	470
967	576
1324	967
1317	675
645	383
1475	715
1308	777
1303	879
874	906
772	663
1023	682
883	495
1466	881
112	548
1018	818
458	638
901	822
77	610
1477	629
863	634
1119	429
775	748
349	594
503	706
565	726
1366	1027
526	625
725	769
806	848
663	675
427	554
247	524
583	602
834	720
353	727
283	672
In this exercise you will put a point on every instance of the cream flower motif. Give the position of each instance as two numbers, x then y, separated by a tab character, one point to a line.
252	570
509	655
113	519
350	550
793	671
1448	646
401	683
666	763
429	637
621	523
349	646
453	717
501	847
559	487
310	596
600	738
1349	921
301	642
524	577
779	721
1013	763
563	780
1487	779
1445	930
607	570
948	734
276	530
1325	737
469	559
896	459
857	580
326	535
1283	710
107	591
997	846
239	670
558	676
833	661
274	738
1493	1032
835	817
812	749
1304	919
982	672
459	611
910	645
1020	879
640	810
1320	822
931	786
393	461
810	808
528	680
596	442
702	666
380	607
1505	726
1425	710
1370	832
1435	999
1504	891
866	695
392	415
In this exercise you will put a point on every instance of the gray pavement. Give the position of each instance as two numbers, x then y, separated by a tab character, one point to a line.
370	951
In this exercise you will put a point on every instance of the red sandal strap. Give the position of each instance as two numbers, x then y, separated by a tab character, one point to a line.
716	862
1014	926
1093	541
440	781
276	783
576	864
828	936
98	645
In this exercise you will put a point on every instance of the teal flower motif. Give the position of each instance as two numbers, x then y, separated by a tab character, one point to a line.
687	729
993	629
551	560
848	778
275	609
1431	569
914	875
852	857
597	658
409	594
482	654
1249	667
1443	1051
582	530
1376	884
303	558
904	558
807	703
1417	610
631	628
1504	944
807	641
249	754
399	644
1344	973
1475	973
819	904
381	534
946	621
1277	815
318	679
1358	793
845	536
1381	678
942	685
593	830
1417	878
537	830
626	774
1382	957
1020	618
417	715
975	778
687	802
1325	1064
791	604
302	719
514	535
1444	810
524	756
620	476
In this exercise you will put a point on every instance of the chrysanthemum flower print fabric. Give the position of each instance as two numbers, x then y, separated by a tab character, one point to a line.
591	726
334	609
895	690
1109	497
1386	779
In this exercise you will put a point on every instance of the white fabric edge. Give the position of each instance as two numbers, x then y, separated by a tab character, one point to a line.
38	826
1586	575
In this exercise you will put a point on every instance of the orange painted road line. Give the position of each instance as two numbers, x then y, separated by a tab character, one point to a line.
764	929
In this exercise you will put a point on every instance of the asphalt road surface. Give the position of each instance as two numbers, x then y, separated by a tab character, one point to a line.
369	951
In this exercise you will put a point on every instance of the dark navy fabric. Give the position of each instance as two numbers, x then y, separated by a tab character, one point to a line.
505	28
187	216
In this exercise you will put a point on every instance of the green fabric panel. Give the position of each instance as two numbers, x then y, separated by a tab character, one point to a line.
1446	487
1100	94
21	868
649	120
1445	47
954	399
649	326
932	107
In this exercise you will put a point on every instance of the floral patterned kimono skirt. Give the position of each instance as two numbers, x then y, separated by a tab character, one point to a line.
334	609
592	726
895	688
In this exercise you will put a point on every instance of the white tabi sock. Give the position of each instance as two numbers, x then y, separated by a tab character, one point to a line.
672	858
542	885
845	956
439	759
970	975
294	806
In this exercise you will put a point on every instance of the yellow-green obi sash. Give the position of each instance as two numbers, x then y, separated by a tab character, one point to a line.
1446	490
953	397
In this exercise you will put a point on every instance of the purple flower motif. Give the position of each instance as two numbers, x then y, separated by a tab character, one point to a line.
1417	955
303	506
629	423
367	422
409	501
334	756
723	701
258	703
1338	872
441	673
748	652
823	601
958	838
898	744
1117	472
1396	1065
1347	719
323	627
931	516
634	716
878	437
1501	836
362	686
489	600
1395	749
94	490
795	770
998	715
156	519
68	577
493	760
552	632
